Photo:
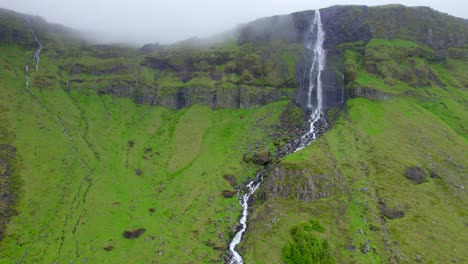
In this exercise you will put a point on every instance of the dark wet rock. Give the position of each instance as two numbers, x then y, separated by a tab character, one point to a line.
416	175
322	126
262	157
229	194
132	234
138	172
231	179
352	248
108	248
389	212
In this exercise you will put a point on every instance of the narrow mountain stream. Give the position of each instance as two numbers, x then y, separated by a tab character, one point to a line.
314	105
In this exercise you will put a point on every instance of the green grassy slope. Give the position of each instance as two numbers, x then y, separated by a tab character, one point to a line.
80	188
95	160
360	165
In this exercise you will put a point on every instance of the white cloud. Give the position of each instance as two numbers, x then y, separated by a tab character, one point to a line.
144	21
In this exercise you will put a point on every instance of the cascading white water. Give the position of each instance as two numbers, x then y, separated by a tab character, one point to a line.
315	83
244	201
315	45
37	54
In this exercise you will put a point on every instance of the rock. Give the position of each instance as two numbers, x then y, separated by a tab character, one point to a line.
416	175
152	210
369	93
247	158
365	248
231	179
352	248
262	157
108	248
228	194
132	234
391	213
138	172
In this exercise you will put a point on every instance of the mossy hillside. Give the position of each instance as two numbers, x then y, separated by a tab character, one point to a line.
223	76
116	166
401	67
364	158
370	147
417	24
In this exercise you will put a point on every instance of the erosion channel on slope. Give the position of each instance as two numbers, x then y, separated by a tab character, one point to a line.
314	45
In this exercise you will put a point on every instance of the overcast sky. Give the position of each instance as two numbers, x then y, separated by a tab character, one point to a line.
165	21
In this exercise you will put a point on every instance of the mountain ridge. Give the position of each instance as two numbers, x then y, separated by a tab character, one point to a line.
133	130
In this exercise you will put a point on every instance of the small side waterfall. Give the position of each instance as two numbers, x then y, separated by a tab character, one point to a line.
314	105
37	54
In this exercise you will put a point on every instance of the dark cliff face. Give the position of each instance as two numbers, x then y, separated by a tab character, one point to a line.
344	24
361	23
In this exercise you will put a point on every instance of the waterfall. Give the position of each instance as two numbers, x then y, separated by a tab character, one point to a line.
37	54
252	186
315	105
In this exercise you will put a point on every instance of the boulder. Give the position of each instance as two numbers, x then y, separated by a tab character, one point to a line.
132	234
262	157
416	175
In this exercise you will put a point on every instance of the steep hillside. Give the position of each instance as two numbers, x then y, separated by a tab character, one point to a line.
112	154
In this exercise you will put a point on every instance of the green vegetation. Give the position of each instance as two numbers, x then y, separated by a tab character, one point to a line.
97	166
306	247
116	166
371	212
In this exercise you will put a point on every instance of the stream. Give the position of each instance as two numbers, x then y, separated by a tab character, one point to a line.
314	105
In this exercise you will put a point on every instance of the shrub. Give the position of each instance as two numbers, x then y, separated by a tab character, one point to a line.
306	247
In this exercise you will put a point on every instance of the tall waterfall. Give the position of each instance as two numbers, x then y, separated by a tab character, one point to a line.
314	105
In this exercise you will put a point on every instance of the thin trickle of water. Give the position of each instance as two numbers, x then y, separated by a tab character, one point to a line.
315	83
37	54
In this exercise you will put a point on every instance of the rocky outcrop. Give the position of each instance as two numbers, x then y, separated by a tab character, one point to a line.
7	195
416	175
261	157
367	92
216	98
296	183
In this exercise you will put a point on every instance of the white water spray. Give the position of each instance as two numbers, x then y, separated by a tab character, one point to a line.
244	201
315	83
315	45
